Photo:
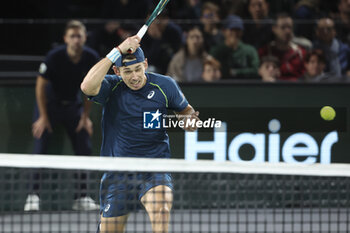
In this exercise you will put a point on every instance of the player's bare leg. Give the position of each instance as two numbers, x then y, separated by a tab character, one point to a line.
158	202
113	224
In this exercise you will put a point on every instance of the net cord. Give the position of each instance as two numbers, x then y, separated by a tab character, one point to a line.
168	165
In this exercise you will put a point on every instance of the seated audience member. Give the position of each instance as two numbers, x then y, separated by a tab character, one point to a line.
238	60
187	63
269	69
336	52
343	21
210	20
257	29
290	55
230	7
211	70
315	64
306	11
190	9
114	32
278	6
162	40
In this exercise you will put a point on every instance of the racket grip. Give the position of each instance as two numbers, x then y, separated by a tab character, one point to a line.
140	34
142	31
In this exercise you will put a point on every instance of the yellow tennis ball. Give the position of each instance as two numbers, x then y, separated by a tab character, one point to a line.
327	113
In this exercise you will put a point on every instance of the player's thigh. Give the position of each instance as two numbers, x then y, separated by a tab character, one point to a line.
113	224
158	197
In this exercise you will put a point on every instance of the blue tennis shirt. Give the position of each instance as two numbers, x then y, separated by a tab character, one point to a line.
125	111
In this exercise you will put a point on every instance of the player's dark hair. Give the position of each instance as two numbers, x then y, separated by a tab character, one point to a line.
270	59
316	52
74	24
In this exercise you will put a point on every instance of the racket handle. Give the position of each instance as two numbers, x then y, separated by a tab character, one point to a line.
142	31
140	34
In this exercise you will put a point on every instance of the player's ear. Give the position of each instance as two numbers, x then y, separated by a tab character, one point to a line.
116	70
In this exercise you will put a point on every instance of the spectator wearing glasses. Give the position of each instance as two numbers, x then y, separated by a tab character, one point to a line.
336	52
210	20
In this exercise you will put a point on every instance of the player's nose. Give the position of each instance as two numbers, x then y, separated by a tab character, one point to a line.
134	76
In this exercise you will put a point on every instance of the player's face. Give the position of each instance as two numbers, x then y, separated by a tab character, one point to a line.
134	75
314	67
284	29
75	38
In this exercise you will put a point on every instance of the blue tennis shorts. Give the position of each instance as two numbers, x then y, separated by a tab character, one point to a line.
120	193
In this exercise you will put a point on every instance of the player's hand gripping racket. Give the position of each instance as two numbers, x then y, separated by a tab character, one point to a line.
161	5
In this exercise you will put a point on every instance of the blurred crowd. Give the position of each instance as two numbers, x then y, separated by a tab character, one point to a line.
214	40
209	41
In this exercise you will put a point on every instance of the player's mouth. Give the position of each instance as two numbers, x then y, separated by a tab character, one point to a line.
136	84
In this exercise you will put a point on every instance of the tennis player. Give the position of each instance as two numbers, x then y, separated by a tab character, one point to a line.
126	97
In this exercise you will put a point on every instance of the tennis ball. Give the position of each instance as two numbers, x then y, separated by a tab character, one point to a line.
327	113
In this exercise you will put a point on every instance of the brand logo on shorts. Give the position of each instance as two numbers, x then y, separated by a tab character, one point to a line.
107	208
151	94
152	120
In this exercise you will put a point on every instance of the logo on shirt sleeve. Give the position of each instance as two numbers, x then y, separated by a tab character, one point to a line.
107	208
152	119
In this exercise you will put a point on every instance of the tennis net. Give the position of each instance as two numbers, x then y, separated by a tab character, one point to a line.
208	196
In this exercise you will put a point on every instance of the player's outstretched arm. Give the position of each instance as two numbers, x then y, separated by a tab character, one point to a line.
92	82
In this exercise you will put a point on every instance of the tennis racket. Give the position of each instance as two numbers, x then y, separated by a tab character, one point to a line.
161	5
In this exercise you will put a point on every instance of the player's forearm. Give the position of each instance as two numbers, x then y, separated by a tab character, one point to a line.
40	93
189	110
92	82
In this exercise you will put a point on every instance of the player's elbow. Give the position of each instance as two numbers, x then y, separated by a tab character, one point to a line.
87	90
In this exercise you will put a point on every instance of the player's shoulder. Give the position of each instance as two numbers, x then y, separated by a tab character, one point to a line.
113	78
161	80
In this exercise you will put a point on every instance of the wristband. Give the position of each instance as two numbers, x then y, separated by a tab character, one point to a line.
114	55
